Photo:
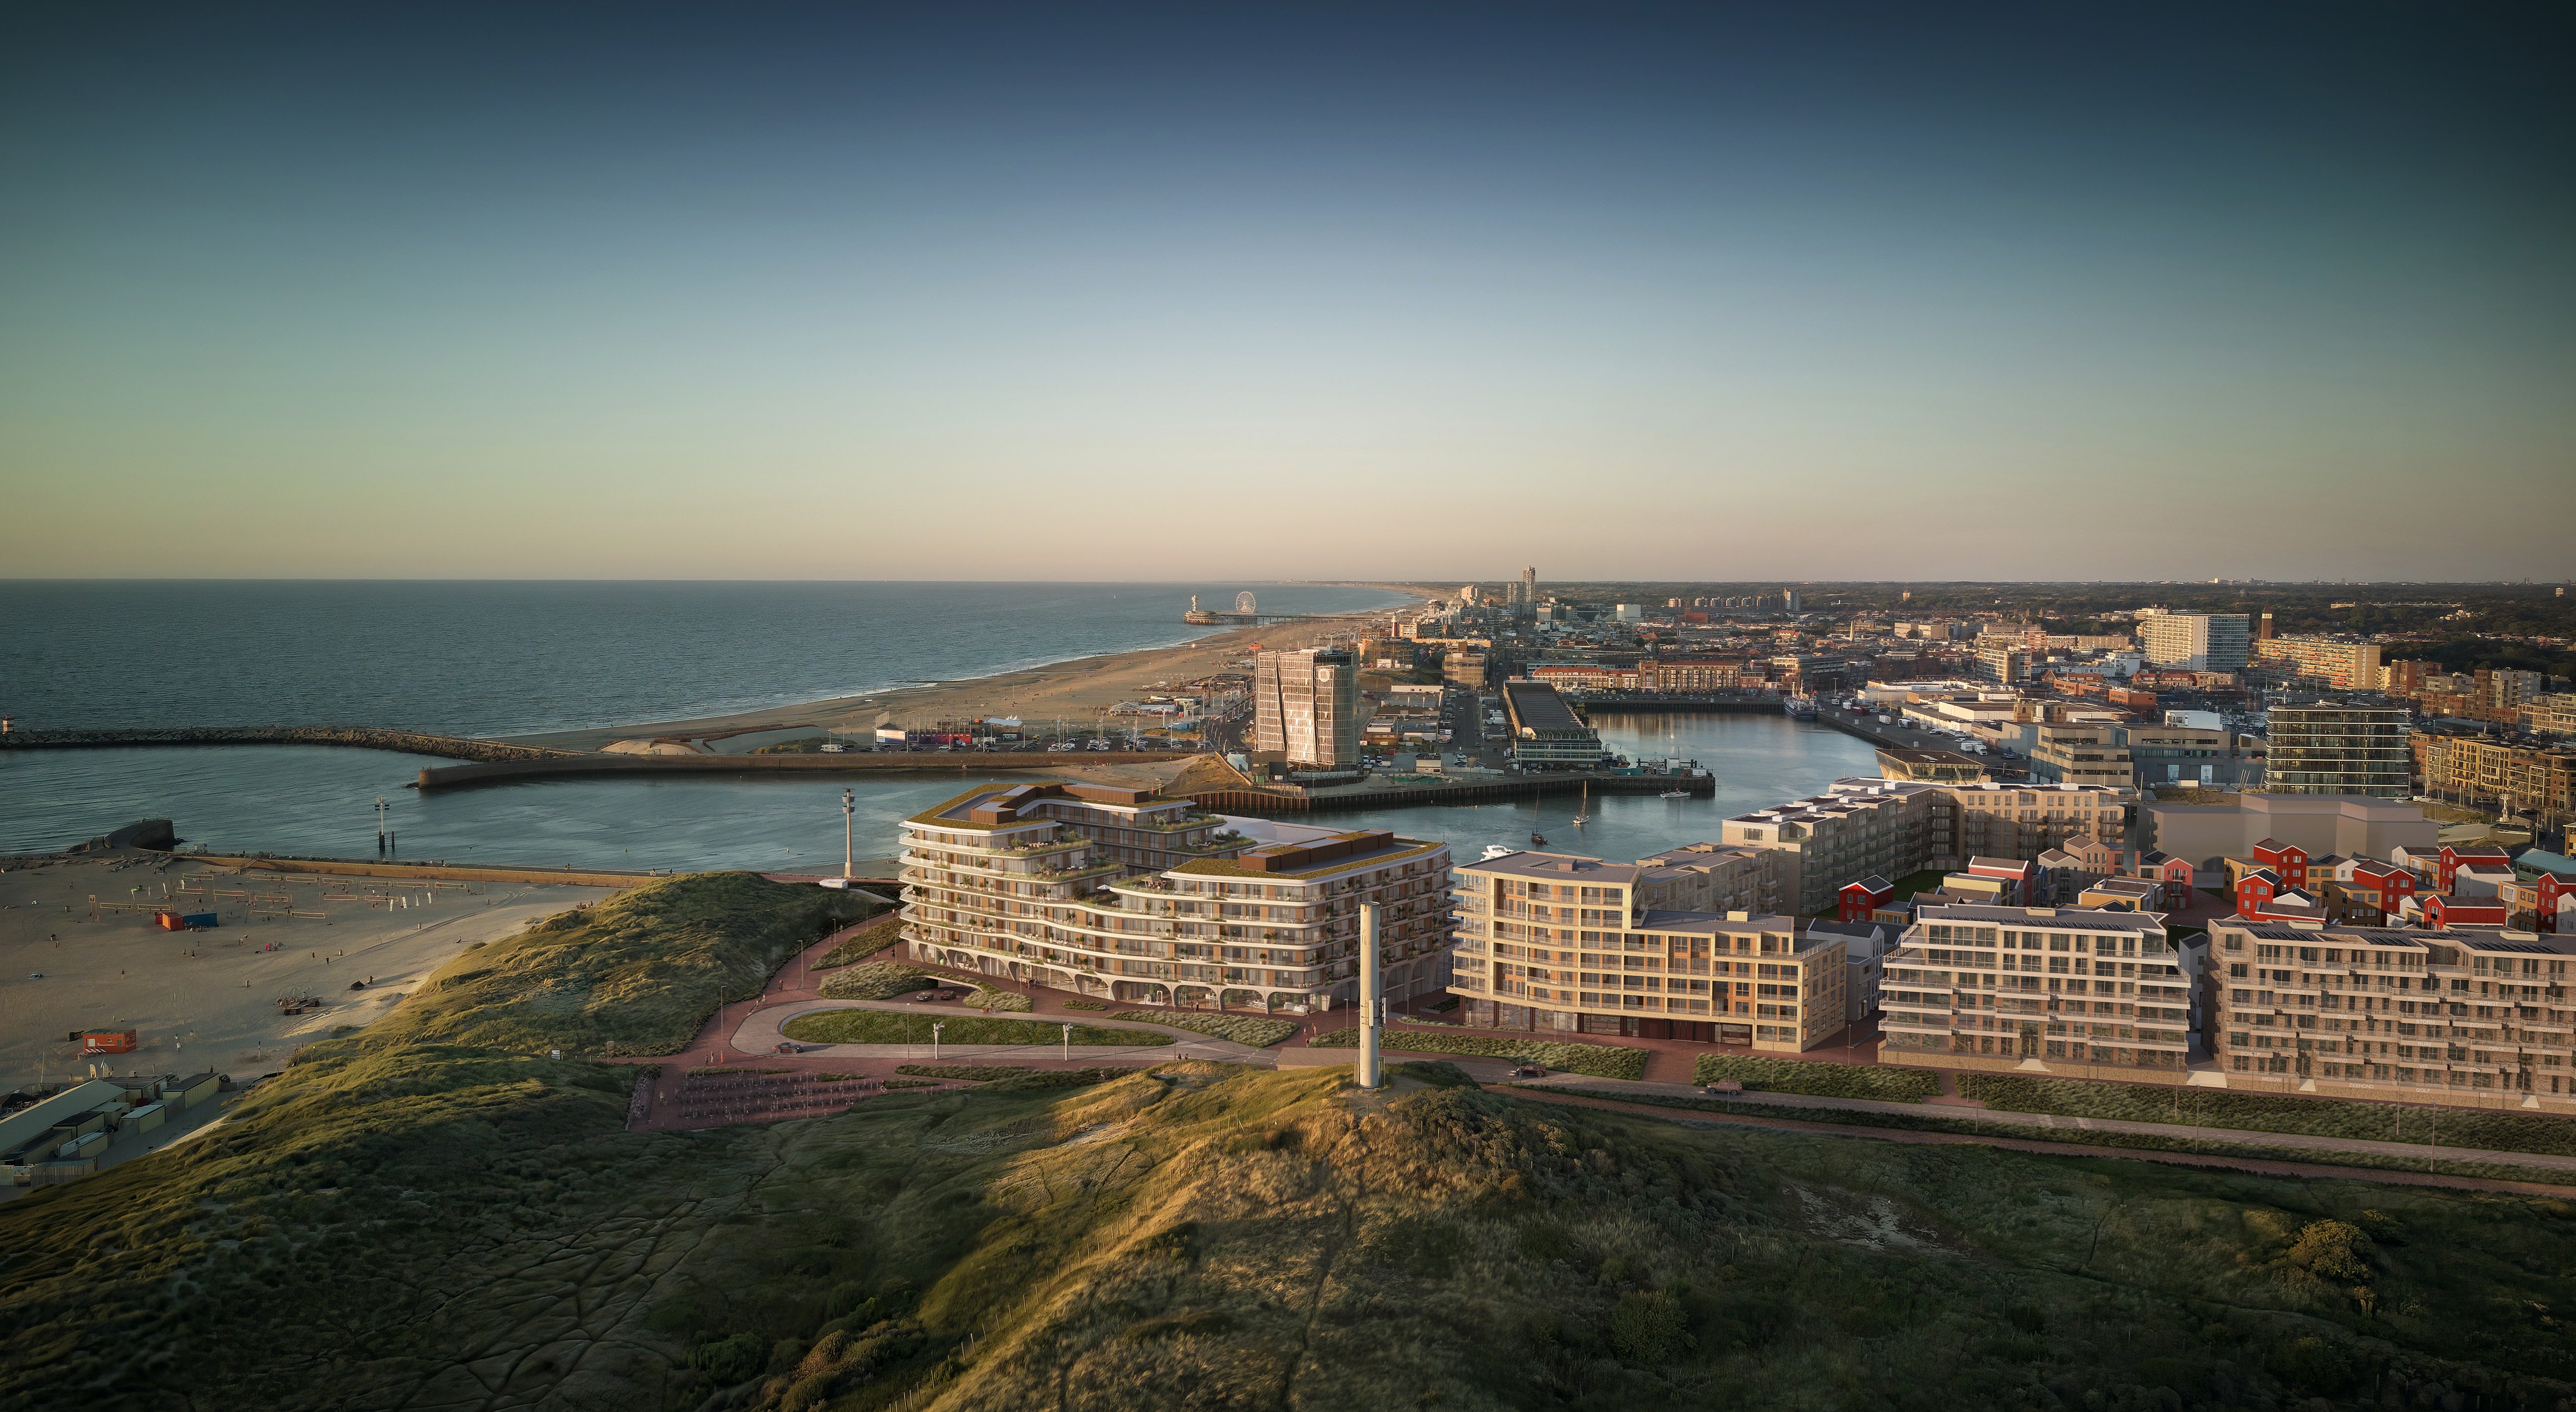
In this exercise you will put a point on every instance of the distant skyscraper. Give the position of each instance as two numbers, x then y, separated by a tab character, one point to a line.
2193	642
1529	586
1789	600
1306	706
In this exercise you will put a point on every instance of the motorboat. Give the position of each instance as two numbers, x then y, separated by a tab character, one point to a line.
1538	839
1675	794
1496	850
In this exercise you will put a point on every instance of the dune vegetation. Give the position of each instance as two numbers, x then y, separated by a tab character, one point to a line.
406	1219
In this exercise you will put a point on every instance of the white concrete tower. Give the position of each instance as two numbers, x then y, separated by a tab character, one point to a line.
1371	1001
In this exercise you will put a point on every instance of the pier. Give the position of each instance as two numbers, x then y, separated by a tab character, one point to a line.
447	747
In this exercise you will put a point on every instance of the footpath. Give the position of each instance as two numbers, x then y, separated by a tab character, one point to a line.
2040	1123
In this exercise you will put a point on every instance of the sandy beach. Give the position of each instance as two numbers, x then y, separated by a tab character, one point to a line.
208	999
1076	691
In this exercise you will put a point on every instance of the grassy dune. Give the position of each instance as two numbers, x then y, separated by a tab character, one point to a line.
889	1027
429	1224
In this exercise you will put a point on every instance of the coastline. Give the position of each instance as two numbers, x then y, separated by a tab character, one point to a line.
1075	689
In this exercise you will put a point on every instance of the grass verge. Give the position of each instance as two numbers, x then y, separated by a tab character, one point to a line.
1599	1060
867	941
1012	1076
2276	1113
1819	1080
886	1027
1242	1029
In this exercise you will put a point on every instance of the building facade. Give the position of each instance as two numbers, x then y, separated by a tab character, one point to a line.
1546	734
2078	990
1306	707
2082	755
2481	772
1566	945
2346	664
2193	642
2469	1017
1119	894
2336	747
1892	828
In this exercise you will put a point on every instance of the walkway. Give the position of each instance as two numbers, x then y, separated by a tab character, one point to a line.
761	1032
2304	1142
2257	1165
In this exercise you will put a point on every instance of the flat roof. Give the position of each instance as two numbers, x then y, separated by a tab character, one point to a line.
1555	867
1536	705
1397	851
2089	918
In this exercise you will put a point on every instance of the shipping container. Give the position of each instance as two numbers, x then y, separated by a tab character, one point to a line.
56	1173
108	1042
141	1120
195	1089
199	921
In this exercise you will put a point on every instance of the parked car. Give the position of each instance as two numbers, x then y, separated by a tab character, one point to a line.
1529	1071
1726	1086
935	995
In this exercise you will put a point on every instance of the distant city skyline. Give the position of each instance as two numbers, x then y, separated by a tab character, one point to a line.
1291	293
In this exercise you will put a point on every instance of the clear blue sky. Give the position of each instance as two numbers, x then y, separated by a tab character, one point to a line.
1307	291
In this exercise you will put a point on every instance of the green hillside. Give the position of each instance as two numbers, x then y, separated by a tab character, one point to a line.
420	1223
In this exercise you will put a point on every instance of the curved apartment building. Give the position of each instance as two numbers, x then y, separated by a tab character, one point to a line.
1124	895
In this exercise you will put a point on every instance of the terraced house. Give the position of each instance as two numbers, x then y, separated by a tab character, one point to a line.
2093	993
2469	1016
1123	895
1552	942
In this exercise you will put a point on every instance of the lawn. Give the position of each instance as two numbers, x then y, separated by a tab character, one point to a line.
2506	1131
1599	1060
1893	1085
892	1027
867	941
878	980
1255	1030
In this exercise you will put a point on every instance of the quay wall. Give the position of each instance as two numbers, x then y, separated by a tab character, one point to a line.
564	765
1280	801
360	737
441	872
1721	704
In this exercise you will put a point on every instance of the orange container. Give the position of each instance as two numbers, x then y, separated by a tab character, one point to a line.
108	1042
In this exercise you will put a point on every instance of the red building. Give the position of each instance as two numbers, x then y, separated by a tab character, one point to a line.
2384	886
2173	874
2447	872
1857	900
2290	861
2442	911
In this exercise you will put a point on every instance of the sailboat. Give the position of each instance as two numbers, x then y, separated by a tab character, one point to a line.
1583	813
1537	839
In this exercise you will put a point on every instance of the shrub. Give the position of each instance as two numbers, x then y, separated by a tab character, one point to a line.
878	980
1815	1077
1084	1004
1600	1060
1254	1030
884	1027
867	941
1004	1000
1008	1076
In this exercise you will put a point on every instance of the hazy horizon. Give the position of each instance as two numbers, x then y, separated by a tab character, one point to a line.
1630	293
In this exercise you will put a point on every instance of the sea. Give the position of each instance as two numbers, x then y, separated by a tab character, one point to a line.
513	658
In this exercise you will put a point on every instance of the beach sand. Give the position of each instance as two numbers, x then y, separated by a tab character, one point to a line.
217	1009
1076	691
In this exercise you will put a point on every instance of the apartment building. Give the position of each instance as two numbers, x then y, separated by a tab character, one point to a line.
2467	1017
2091	993
1119	894
2193	642
1560	944
1892	828
2082	755
2481	772
2554	714
2344	663
1546	734
2339	747
1306	707
2175	756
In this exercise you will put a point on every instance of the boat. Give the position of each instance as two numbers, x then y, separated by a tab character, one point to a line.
1583	813
1801	708
1674	794
1538	838
1496	850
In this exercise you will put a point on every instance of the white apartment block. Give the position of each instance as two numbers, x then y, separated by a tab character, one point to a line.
2470	1016
2069	990
1118	894
2194	642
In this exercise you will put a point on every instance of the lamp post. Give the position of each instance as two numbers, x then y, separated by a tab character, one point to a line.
849	855
935	1026
1068	1044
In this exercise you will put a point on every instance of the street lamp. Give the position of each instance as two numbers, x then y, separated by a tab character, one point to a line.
1068	1044
849	856
935	1027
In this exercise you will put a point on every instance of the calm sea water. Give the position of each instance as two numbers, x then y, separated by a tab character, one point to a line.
321	801
510	658
506	658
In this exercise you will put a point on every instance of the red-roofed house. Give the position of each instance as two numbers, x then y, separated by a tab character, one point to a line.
2441	911
2447	871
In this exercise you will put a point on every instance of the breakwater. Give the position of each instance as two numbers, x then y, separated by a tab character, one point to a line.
1397	796
564	765
447	747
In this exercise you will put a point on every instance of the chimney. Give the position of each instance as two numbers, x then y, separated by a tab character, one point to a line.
1370	1000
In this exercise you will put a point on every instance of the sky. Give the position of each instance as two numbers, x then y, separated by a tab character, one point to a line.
1319	291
